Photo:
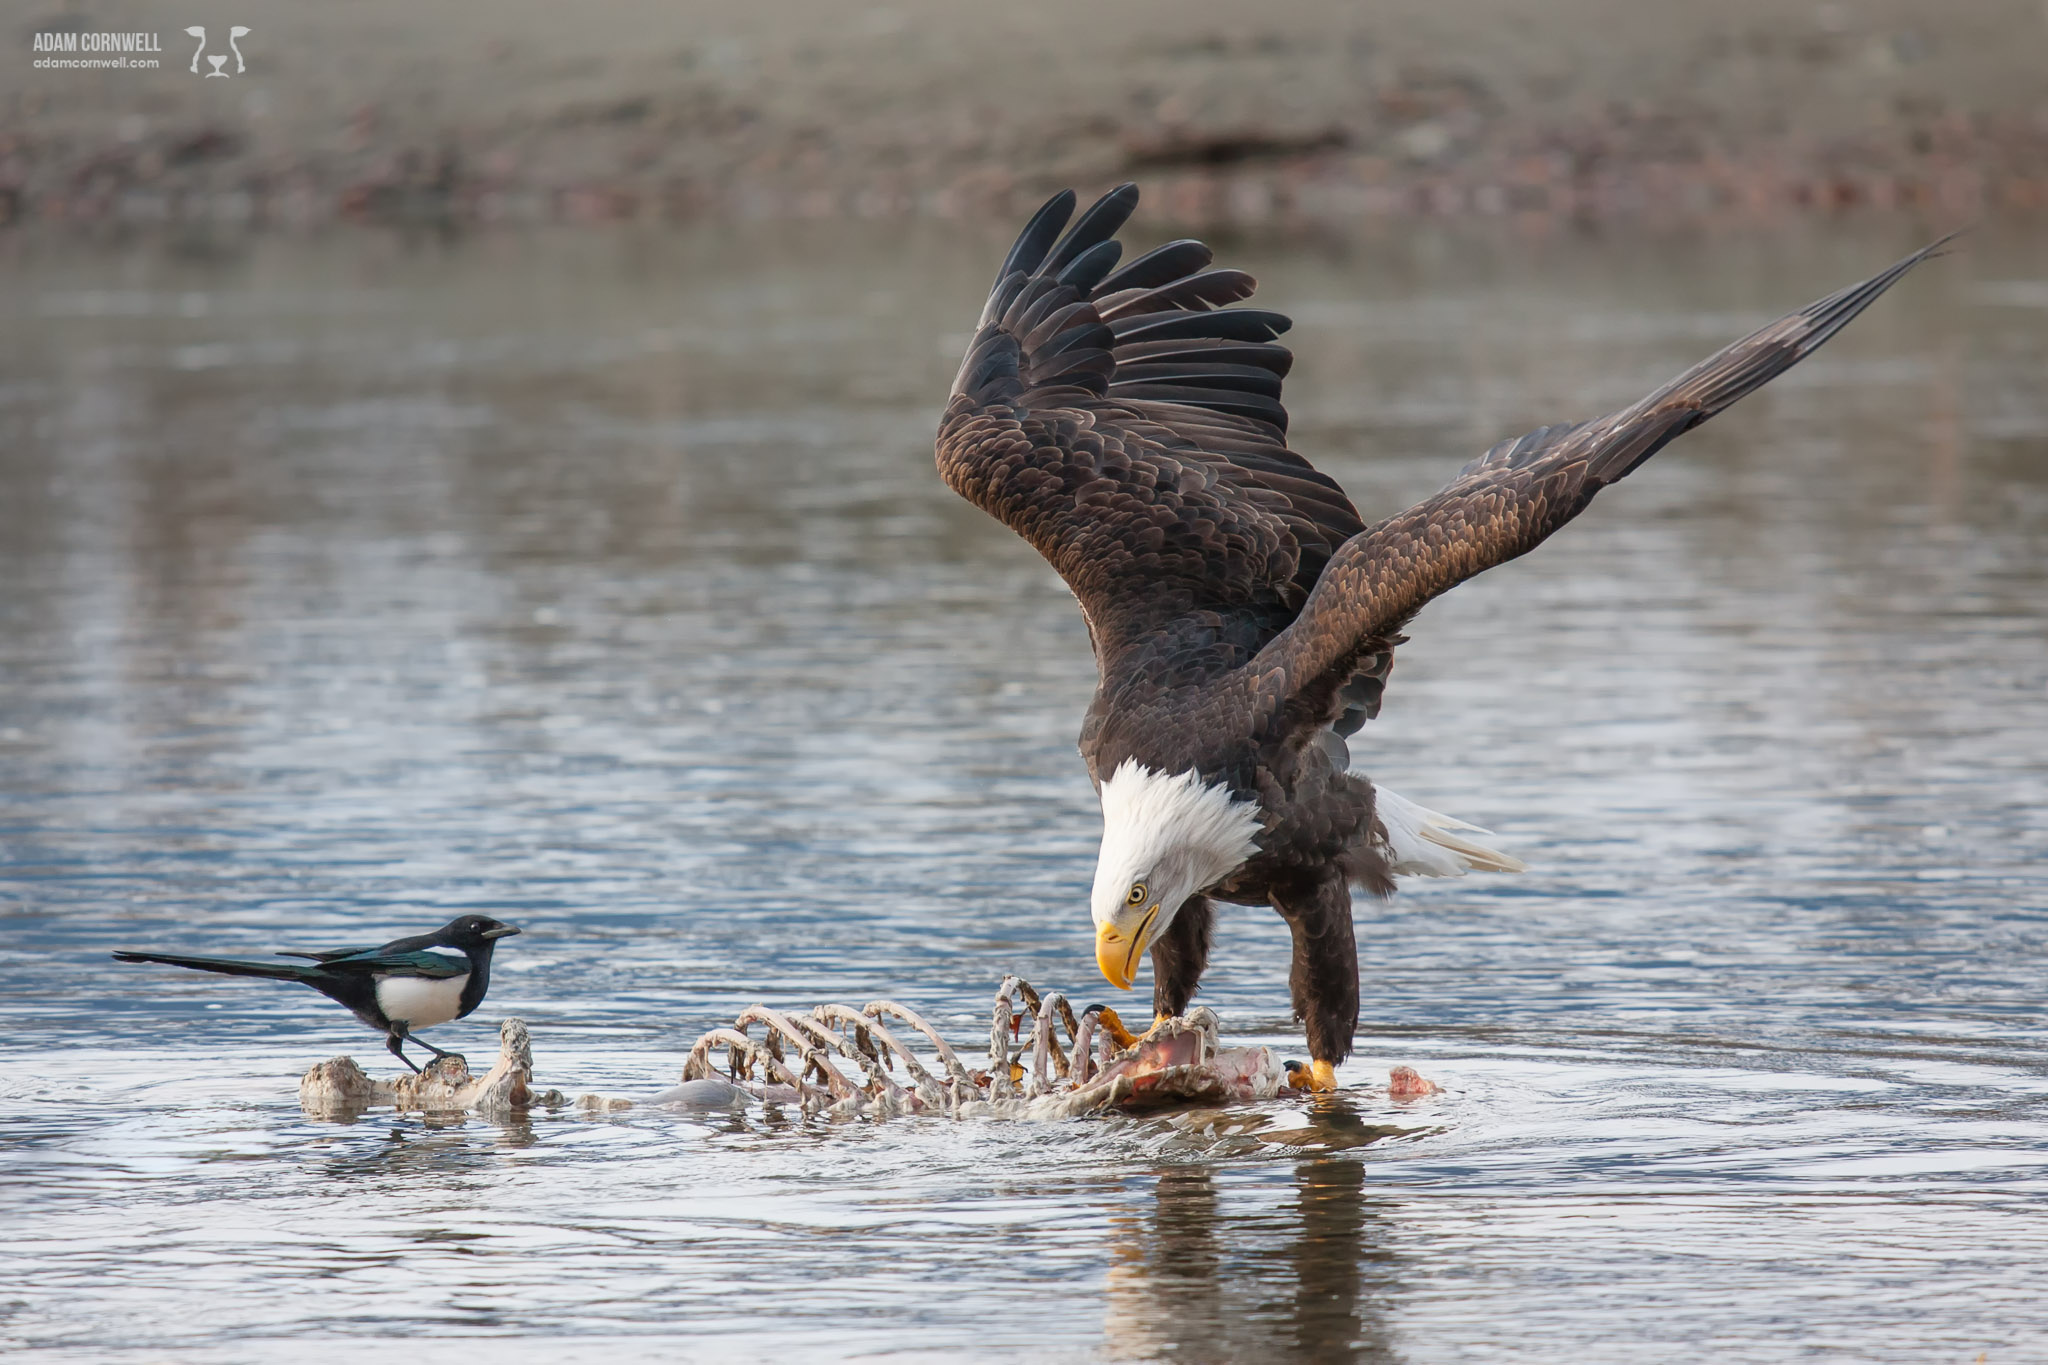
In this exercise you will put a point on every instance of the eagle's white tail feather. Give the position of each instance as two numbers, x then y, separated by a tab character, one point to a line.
1425	843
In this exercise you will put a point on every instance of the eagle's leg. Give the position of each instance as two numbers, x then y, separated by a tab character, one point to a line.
1179	957
1324	978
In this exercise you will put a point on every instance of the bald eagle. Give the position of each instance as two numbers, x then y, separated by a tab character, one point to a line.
1128	424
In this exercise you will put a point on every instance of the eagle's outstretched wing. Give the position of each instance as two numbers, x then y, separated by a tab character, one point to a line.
1506	502
1128	424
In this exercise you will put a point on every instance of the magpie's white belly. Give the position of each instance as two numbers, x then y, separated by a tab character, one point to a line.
421	1002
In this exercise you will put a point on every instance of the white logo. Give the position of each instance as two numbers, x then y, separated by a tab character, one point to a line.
217	60
116	50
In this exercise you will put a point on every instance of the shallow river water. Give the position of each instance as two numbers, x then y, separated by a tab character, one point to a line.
603	582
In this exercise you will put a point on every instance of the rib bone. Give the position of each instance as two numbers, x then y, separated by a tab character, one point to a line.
875	1009
814	1060
928	1088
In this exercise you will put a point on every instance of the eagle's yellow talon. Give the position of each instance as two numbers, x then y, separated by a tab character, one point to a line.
1318	1078
1114	1027
1122	1036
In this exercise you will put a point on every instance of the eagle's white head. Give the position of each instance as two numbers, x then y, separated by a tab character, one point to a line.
1163	839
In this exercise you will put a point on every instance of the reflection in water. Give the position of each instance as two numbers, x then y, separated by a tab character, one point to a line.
1197	1280
505	1132
455	1152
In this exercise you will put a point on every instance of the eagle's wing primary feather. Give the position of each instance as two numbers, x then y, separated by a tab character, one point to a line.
1506	502
1128	424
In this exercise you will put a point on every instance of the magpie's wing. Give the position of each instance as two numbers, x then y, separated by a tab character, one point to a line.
385	962
331	955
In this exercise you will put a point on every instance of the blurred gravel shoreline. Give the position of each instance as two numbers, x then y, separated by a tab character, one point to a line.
622	110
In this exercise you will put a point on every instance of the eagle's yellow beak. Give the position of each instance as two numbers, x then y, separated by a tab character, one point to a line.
1117	952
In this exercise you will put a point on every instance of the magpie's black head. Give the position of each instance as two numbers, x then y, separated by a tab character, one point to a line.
474	931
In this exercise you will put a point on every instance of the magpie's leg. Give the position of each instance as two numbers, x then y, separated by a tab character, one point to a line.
418	1041
395	1040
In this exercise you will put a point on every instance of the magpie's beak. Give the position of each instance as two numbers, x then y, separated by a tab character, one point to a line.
1117	952
502	931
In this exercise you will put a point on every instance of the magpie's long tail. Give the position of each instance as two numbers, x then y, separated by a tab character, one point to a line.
226	966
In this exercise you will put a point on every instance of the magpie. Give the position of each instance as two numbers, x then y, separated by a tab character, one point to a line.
408	983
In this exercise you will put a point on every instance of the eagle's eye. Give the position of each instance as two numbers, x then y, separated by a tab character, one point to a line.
1137	896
